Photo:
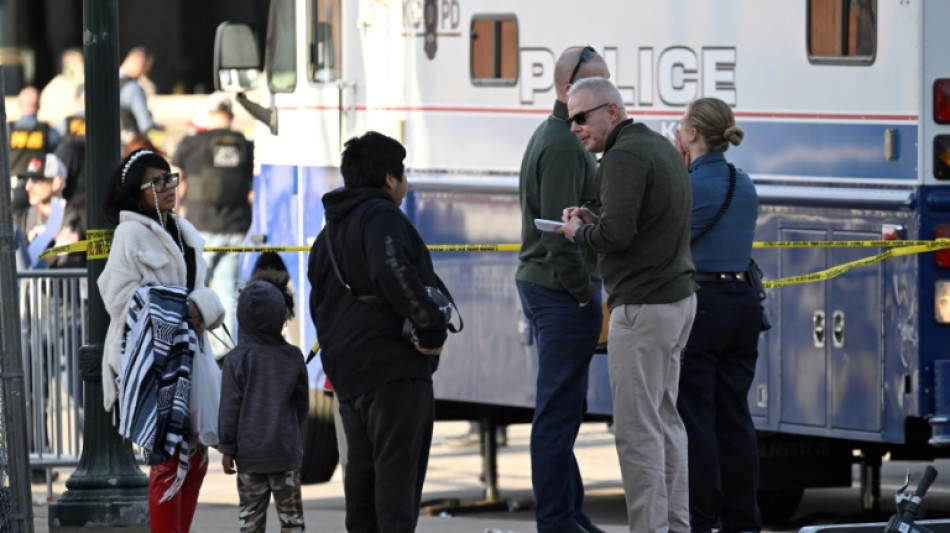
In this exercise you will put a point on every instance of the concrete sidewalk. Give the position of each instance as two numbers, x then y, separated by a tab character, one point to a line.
453	474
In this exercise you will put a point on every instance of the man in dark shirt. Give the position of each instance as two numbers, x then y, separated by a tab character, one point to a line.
560	294
642	240
217	176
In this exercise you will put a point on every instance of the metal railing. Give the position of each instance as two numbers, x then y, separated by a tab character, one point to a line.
53	325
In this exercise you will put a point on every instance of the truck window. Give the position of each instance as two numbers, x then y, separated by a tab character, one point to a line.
842	31
494	50
281	53
325	40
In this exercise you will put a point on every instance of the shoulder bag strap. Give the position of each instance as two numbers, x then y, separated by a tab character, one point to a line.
369	298
722	210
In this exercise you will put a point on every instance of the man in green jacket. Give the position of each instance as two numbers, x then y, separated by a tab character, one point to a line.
560	294
642	240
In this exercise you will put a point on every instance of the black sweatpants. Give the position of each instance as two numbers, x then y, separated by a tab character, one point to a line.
388	431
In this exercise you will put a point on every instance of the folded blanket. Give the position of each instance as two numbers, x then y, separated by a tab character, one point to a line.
154	379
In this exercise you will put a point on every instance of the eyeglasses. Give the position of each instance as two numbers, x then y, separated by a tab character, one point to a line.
581	118
586	55
162	183
39	179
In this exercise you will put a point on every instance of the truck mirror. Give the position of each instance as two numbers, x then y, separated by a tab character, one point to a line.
237	63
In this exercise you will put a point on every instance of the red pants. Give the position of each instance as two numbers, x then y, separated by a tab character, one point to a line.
175	515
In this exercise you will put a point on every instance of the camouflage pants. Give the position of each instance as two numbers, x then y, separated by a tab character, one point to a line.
254	491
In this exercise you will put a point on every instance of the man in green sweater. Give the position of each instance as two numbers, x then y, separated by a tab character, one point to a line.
641	238
560	294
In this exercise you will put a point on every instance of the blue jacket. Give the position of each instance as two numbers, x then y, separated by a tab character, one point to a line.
728	246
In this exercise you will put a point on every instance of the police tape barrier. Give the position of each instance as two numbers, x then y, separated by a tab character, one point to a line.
934	244
98	247
99	241
832	272
432	248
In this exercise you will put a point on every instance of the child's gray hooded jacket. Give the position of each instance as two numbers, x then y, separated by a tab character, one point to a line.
264	395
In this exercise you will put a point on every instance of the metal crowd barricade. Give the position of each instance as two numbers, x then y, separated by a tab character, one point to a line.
54	325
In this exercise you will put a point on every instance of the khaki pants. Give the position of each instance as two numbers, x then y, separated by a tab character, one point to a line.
644	349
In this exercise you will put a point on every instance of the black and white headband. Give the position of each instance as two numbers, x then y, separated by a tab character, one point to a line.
125	169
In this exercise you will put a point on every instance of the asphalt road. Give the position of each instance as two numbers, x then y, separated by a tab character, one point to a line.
454	474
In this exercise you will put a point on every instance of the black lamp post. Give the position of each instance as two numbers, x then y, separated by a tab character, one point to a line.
107	490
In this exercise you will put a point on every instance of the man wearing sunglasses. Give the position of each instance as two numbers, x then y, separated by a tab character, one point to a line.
560	294
641	237
44	218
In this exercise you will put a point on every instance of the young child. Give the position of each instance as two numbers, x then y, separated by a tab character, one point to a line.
264	403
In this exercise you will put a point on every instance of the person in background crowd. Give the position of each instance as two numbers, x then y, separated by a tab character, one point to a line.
72	152
641	237
360	306
47	223
141	142
152	247
30	141
560	291
40	230
217	169
135	118
56	97
264	404
73	125
719	362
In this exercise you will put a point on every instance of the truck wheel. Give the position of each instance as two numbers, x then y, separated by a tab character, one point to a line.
778	506
320	454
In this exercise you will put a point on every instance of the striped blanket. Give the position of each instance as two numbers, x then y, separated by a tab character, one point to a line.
154	378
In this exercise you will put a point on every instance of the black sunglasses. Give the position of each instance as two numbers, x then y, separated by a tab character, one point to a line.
162	183
580	118
586	55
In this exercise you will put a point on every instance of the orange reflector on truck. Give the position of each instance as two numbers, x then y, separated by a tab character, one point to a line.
942	157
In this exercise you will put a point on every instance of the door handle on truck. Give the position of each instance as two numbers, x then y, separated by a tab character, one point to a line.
818	321
837	329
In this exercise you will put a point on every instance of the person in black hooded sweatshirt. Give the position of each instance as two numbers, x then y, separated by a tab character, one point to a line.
368	271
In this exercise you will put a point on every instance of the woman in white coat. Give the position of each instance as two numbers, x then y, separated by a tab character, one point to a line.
152	246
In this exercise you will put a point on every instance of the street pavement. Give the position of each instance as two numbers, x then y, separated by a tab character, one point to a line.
453	474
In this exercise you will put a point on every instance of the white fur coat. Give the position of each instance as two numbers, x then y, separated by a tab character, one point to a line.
142	254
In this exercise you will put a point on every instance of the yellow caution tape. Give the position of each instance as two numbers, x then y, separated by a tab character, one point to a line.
250	249
432	247
474	247
80	246
98	244
841	269
313	351
934	244
98	248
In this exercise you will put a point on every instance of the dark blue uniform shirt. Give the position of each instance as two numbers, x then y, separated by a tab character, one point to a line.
728	246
